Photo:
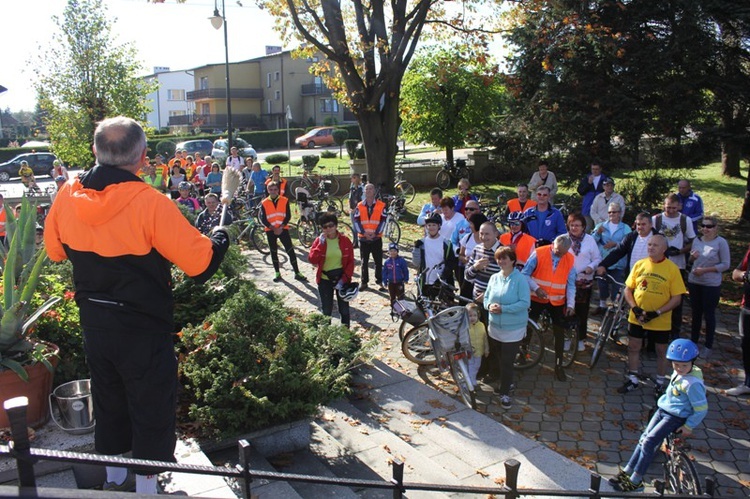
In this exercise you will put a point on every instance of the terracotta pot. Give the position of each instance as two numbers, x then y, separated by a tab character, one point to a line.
37	389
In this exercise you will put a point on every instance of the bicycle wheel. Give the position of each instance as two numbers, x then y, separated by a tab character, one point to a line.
392	231
491	174
333	186
531	351
570	346
600	342
460	373
306	232
680	475
259	240
402	329
462	172
291	188
405	190
417	346
333	205
443	179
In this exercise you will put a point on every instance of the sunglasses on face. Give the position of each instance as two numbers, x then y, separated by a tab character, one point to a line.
472	209
612	212
542	194
514	224
708	226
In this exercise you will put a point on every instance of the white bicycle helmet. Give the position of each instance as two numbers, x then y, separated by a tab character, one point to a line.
349	291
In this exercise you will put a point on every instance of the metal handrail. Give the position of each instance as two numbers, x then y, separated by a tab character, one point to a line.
20	449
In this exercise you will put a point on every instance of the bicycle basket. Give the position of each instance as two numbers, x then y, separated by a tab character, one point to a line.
325	186
302	194
409	312
449	325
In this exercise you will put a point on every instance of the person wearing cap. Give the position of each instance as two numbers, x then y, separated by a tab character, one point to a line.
186	199
60	170
434	253
395	273
588	188
600	206
39	237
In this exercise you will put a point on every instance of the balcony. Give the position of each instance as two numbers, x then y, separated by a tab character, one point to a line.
207	121
315	89
221	93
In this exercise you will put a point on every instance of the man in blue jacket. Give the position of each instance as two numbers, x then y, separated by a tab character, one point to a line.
544	222
589	187
692	204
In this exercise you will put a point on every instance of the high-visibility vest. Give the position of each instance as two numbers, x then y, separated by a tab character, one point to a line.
275	213
553	283
282	186
523	247
371	222
163	170
158	180
515	205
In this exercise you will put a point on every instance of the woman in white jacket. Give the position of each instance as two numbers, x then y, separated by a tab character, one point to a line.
587	258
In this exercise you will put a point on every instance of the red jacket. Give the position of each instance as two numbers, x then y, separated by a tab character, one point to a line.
318	257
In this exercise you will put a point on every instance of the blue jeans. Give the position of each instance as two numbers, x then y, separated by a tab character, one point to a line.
661	425
703	302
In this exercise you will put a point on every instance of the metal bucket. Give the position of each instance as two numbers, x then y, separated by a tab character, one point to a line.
74	405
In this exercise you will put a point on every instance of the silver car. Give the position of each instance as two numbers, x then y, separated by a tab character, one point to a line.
221	149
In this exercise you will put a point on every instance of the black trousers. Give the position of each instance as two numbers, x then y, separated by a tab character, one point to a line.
503	354
326	289
583	302
374	248
557	313
273	245
134	390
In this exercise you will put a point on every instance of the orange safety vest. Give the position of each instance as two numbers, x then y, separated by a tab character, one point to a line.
282	186
371	222
553	283
275	213
523	247
515	205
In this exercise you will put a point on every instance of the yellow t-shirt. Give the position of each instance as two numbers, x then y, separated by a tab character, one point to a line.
478	338
333	256
653	284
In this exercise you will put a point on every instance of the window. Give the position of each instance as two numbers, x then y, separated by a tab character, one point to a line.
177	113
175	94
276	76
204	83
205	109
329	106
313	59
278	95
268	80
269	103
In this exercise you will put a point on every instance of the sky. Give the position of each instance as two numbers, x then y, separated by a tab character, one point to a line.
28	25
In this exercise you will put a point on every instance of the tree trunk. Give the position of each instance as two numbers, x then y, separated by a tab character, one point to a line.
731	152
746	204
379	129
449	155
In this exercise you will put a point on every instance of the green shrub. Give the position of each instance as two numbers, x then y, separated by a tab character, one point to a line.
360	153
166	148
351	147
256	364
310	161
276	159
340	135
296	162
326	154
330	121
646	189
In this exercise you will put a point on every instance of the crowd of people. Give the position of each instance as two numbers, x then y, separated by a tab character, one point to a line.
545	262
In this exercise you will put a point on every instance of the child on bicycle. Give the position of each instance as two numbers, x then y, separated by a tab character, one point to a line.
395	273
480	345
680	409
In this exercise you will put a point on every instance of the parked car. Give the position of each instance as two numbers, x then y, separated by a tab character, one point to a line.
321	136
40	163
204	147
221	150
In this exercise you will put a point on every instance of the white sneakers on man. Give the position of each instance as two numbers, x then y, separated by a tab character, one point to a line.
739	390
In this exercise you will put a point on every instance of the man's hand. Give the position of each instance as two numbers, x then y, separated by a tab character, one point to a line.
684	431
322	239
601	270
649	316
569	312
638	311
541	293
277	231
600	230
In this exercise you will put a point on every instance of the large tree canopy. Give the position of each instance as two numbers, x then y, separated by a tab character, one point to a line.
83	77
368	46
448	94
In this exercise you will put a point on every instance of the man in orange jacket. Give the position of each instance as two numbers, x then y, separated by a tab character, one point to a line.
121	236
369	219
552	279
274	215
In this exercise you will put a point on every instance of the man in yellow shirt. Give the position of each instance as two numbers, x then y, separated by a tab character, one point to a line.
653	289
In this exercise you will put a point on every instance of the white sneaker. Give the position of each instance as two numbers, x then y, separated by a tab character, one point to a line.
581	346
739	390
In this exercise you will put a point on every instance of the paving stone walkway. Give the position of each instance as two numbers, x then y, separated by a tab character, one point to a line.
584	419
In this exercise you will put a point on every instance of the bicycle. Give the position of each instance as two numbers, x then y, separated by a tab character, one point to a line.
310	209
402	188
567	204
498	213
392	229
251	228
314	182
450	171
532	348
614	318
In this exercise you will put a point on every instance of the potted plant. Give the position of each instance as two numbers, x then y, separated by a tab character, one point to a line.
26	363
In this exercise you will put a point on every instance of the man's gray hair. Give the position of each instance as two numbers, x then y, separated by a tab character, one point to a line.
564	242
119	141
614	206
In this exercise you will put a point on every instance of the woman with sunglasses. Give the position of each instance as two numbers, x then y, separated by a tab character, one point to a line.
710	257
333	255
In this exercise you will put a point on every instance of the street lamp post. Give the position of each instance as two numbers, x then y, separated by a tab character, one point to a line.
216	21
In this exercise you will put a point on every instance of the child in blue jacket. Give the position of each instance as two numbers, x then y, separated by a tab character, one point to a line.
682	407
395	273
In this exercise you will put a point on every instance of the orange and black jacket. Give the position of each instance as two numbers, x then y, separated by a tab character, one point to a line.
121	235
